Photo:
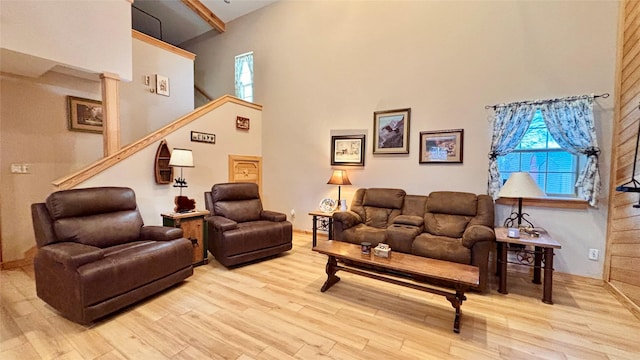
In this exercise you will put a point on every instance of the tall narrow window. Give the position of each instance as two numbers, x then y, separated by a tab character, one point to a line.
244	76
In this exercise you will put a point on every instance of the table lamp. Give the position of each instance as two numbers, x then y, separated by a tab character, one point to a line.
182	158
519	185
339	177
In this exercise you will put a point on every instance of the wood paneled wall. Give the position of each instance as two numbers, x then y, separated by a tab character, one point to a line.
622	266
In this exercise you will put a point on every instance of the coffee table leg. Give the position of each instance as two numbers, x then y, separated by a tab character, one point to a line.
547	287
331	268
456	301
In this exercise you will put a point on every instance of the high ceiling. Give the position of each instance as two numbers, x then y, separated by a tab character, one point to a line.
180	23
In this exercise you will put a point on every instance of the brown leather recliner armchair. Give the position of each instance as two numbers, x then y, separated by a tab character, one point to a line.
239	230
95	255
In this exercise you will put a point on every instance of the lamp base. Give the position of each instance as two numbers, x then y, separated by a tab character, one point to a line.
184	204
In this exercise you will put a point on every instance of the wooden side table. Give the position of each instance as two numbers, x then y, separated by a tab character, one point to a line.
543	253
322	221
192	225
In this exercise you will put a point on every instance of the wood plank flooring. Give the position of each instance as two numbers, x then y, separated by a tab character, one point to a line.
274	310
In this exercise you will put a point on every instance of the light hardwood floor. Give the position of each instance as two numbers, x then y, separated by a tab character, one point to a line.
274	310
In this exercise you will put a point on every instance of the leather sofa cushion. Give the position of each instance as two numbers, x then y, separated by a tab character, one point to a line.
129	266
240	210
102	230
452	202
85	202
441	248
244	239
414	205
239	202
400	237
445	224
384	198
361	233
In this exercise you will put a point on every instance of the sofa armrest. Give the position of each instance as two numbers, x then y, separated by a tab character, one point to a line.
71	255
408	220
347	218
273	216
477	233
221	223
160	233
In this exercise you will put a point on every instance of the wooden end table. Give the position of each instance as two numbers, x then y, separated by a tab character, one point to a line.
322	221
542	258
460	277
193	228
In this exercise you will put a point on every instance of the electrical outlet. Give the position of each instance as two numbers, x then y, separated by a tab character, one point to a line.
593	254
293	213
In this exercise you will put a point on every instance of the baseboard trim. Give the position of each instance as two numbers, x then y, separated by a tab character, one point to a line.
26	261
623	299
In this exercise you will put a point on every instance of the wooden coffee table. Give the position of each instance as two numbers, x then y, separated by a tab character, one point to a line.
459	277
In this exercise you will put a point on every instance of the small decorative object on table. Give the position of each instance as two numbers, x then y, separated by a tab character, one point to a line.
328	205
513	233
382	250
365	248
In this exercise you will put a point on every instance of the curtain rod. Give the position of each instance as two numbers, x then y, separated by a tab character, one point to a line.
539	102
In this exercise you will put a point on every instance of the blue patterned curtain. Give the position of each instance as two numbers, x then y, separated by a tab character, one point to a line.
570	122
510	123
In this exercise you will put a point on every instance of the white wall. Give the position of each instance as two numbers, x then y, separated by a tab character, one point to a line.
141	111
210	161
324	66
93	36
34	130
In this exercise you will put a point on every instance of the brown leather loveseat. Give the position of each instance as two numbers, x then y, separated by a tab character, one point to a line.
95	255
239	229
446	225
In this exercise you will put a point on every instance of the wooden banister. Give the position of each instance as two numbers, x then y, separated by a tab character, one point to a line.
97	167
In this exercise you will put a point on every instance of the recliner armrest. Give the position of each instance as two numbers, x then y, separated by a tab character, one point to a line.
221	223
160	233
477	233
71	255
347	218
273	216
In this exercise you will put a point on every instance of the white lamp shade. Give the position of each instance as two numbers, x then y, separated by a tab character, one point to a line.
520	185
181	158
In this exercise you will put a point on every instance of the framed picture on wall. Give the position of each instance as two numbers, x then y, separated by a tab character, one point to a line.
347	150
84	114
443	146
162	85
391	131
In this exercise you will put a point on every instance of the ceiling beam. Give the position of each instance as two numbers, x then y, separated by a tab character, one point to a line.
206	14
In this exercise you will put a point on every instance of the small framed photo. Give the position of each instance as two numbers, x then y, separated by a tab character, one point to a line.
444	146
391	131
85	114
347	150
162	85
242	123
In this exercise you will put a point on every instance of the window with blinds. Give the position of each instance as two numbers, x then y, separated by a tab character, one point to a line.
554	169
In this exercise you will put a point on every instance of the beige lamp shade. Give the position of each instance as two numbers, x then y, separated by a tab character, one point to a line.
520	185
181	158
339	177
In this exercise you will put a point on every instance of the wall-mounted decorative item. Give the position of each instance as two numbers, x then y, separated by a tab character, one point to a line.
444	146
162	85
203	137
85	114
242	123
163	172
347	150
391	131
